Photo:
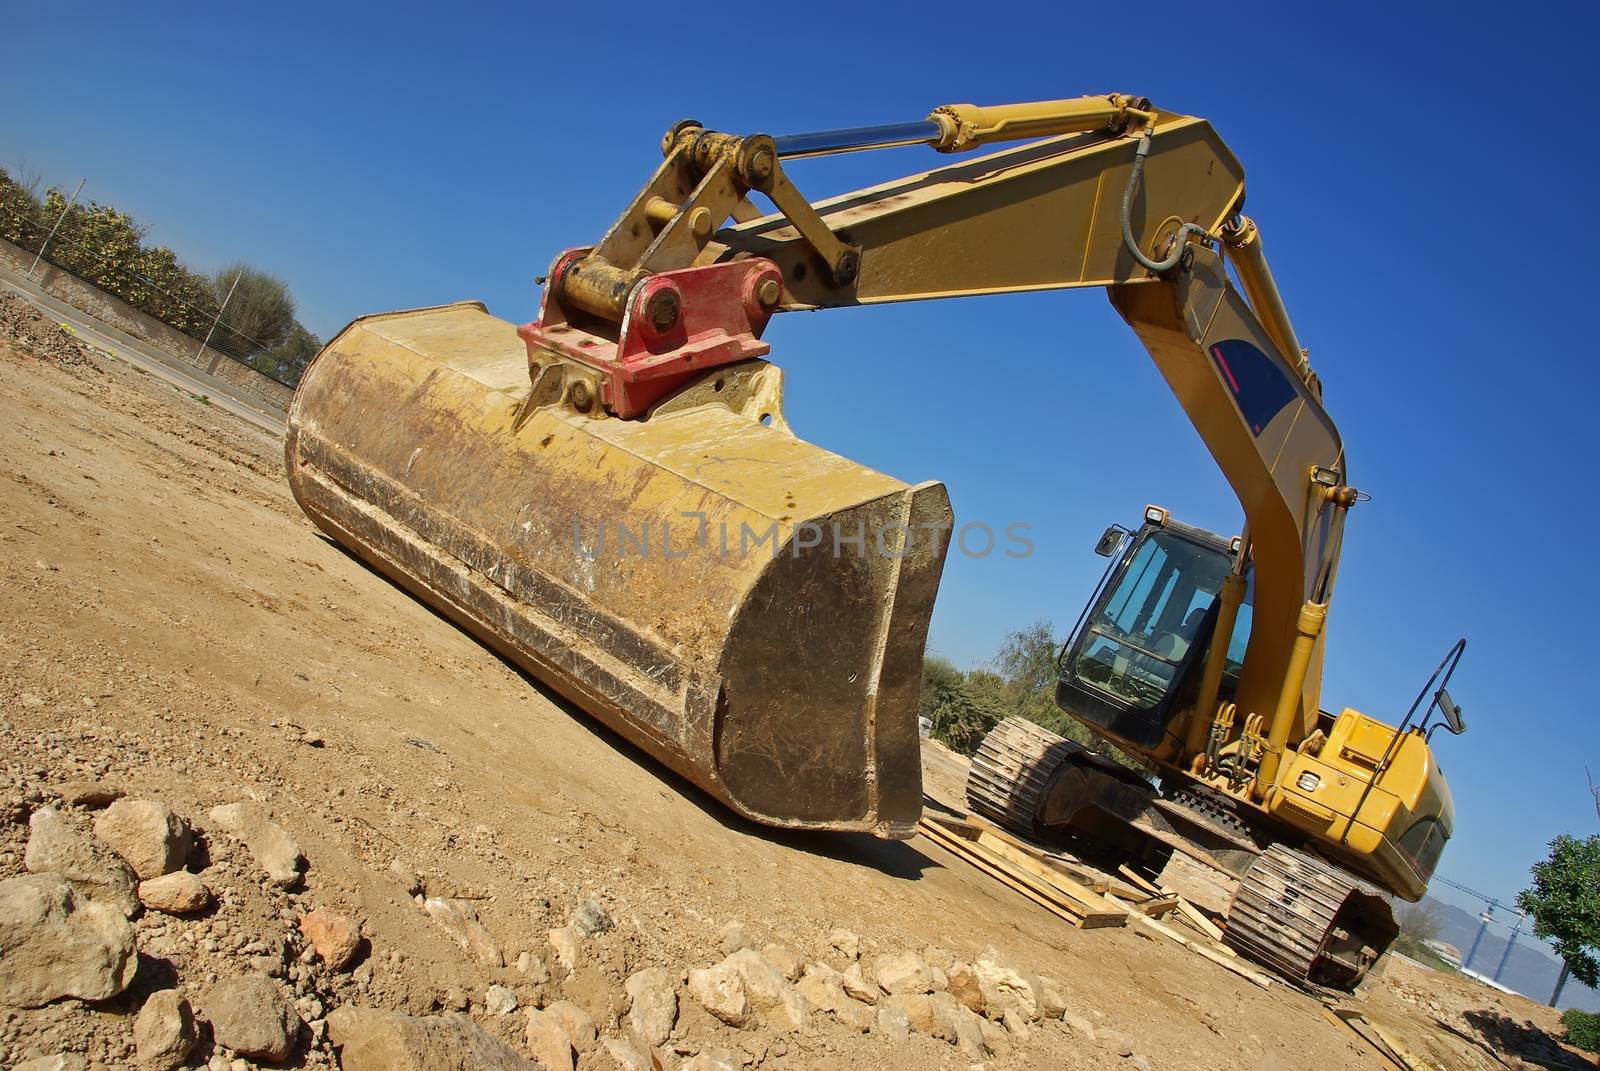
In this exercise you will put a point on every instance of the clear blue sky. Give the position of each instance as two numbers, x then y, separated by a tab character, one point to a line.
1424	180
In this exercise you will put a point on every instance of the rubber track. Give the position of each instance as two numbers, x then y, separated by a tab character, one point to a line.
1283	909
1013	771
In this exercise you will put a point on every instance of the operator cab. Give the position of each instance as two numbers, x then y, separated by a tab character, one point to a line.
1136	654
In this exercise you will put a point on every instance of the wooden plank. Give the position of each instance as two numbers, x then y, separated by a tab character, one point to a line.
1088	916
1341	1021
1160	905
1198	918
1139	880
954	846
1202	950
1082	893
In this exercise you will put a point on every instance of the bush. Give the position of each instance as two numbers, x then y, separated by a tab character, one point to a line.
961	715
1583	1029
106	247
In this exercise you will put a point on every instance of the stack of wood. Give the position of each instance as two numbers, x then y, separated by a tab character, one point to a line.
1055	882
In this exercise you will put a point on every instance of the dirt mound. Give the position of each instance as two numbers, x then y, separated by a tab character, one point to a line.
35	334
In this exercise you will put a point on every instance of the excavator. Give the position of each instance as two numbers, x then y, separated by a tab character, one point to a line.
611	498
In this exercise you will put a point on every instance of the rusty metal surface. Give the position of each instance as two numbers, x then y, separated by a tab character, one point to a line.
781	677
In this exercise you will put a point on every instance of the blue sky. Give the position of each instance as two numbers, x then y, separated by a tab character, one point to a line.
1422	179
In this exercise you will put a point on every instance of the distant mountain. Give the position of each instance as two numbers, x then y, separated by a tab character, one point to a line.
1532	969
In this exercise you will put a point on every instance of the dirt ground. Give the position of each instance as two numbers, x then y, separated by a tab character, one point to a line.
170	624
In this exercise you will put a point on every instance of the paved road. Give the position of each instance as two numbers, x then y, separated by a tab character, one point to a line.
118	343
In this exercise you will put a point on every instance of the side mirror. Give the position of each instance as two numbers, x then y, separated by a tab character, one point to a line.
1450	712
1110	540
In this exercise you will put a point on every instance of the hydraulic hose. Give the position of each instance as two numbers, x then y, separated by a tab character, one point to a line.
1157	266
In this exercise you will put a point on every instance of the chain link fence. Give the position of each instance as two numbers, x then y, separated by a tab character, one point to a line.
240	313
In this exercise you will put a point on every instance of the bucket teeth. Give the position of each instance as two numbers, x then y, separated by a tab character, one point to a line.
748	608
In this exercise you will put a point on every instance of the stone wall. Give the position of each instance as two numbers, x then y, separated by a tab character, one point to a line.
116	313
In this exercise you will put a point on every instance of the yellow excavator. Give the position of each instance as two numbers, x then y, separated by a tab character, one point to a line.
611	498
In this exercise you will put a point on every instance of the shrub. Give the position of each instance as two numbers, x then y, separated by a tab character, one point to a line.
1583	1029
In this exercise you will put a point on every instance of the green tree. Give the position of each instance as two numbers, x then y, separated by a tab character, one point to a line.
961	715
259	312
1565	903
1583	1029
286	360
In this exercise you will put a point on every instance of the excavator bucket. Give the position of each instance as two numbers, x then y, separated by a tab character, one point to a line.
746	607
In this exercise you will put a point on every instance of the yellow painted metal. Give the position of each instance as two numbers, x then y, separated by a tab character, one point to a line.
1242	244
967	126
1412	790
1203	714
1308	631
747	607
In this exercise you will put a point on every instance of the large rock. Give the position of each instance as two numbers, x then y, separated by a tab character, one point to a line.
625	1054
903	973
146	833
958	1025
1052	998
963	985
56	847
163	1034
721	991
336	937
578	1024
769	990
823	987
856	985
274	850
549	1042
915	1008
654	1009
252	1015
177	893
88	794
373	1040
54	944
590	918
1006	987
61	1061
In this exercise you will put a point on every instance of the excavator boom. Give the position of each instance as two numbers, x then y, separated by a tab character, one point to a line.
611	497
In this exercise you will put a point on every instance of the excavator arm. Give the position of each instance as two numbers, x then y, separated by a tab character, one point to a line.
1064	211
610	496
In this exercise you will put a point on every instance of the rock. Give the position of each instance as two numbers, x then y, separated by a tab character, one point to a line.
893	1022
789	962
460	918
407	877
823	987
372	1040
577	1023
856	985
66	1061
252	1015
548	1041
56	847
163	1034
963	984
1006	987
846	943
533	968
734	937
1052	1000
146	833
55	944
1117	1042
177	893
995	1038
904	973
710	1061
721	991
958	1025
336	937
1016	1025
768	989
498	1000
274	850
1079	1025
1140	1062
590	919
91	794
565	943
625	1055
654	1011
917	1008
857	1016
942	958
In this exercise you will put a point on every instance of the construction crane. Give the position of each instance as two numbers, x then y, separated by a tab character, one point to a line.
611	496
1486	917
